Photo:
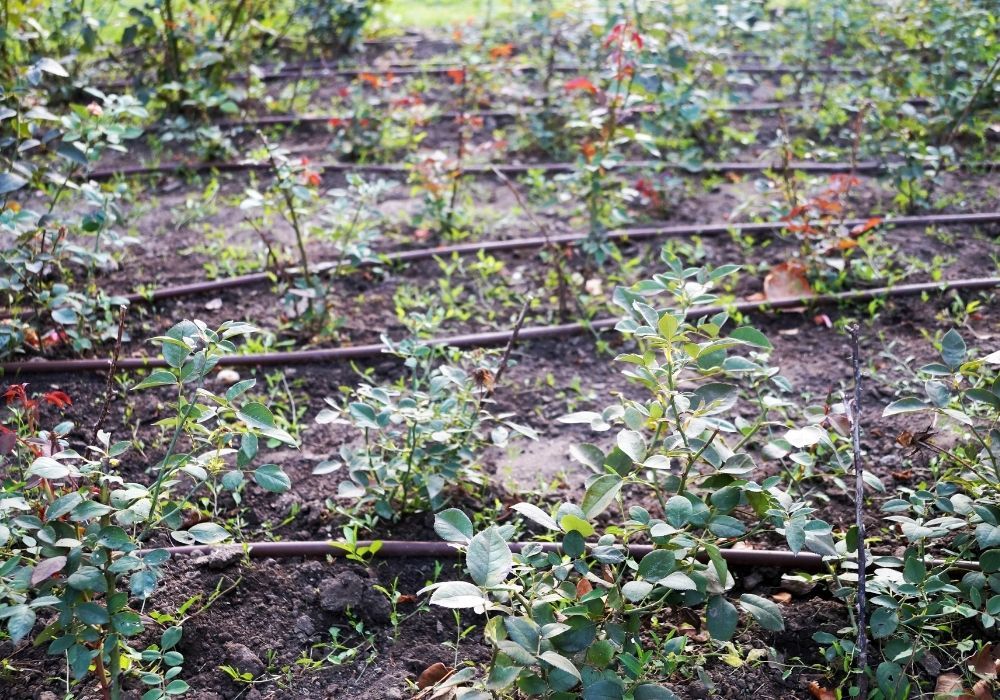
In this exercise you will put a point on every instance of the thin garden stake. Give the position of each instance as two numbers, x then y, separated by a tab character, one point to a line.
859	502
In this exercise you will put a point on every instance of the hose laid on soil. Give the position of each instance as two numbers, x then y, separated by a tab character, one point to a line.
403	549
493	338
779	559
867	166
306	72
314	119
527	243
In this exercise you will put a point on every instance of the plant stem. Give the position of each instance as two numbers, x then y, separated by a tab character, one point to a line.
111	371
859	499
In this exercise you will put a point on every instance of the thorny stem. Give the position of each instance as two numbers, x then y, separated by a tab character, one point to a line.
460	151
553	249
859	496
154	497
290	203
987	79
112	366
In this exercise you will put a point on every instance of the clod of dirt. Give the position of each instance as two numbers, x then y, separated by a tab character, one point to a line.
304	627
343	591
47	695
242	659
376	606
220	558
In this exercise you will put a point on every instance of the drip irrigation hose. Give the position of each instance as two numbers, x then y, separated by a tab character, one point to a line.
527	243
867	166
306	72
402	549
493	338
500	114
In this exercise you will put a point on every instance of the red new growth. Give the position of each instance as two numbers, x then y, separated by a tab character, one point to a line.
580	84
59	399
15	392
457	75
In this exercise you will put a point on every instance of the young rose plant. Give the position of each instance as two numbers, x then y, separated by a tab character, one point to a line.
71	520
570	618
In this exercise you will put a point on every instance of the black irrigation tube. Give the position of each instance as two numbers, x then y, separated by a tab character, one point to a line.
403	549
493	338
314	119
420	549
868	166
301	73
531	242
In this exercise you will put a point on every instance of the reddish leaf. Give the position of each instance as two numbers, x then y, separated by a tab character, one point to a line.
580	83
867	226
821	693
983	663
457	75
46	569
502	51
583	587
8	439
432	675
783	597
787	280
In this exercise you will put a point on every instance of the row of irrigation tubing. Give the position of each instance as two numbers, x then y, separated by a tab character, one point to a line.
417	549
503	114
494	338
304	73
490	169
472	248
414	549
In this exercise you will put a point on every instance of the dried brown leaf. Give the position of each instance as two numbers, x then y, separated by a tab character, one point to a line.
433	674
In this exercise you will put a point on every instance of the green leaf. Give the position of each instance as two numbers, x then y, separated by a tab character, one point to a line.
536	514
63	505
588	455
258	416
631	443
489	559
159	377
572	523
766	612
203	533
726	526
752	336
92	614
907	405
239	388
678	581
271	478
452	525
649	691
883	622
72	153
9	182
88	579
721	618
601	493
678	511
990	561
560	662
635	591
657	564
953	349
458	594
65	316
50	65
19	622
170	637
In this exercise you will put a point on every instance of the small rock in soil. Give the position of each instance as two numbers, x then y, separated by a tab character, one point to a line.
304	626
242	659
220	557
227	377
47	695
341	592
376	606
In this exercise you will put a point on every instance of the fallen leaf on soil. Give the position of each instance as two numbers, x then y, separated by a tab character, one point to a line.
407	598
983	663
981	690
787	280
823	320
783	597
433	674
821	693
948	686
904	475
583	587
